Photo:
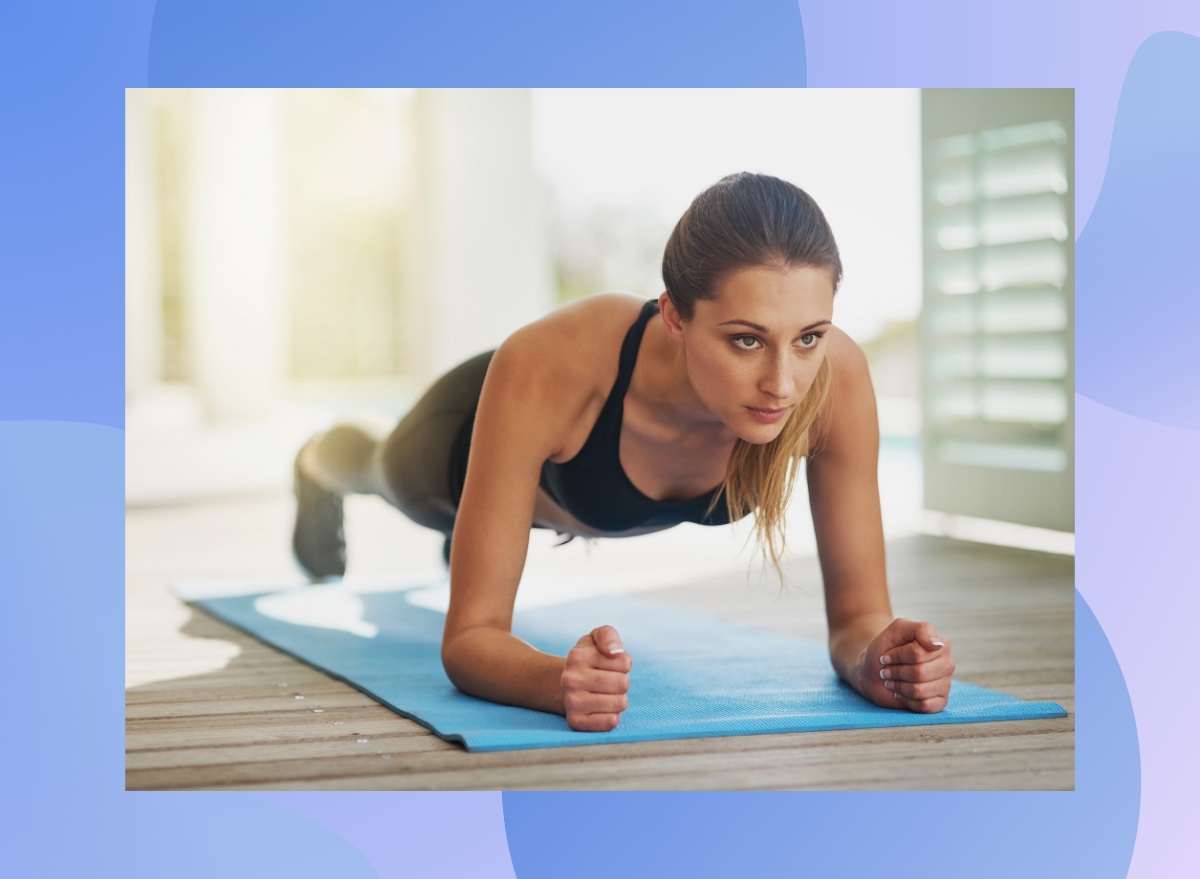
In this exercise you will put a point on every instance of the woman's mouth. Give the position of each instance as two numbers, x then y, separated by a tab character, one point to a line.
767	416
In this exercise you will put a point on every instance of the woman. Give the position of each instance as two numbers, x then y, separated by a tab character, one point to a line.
613	417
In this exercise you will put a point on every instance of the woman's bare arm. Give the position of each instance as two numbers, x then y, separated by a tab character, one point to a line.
534	391
843	485
843	490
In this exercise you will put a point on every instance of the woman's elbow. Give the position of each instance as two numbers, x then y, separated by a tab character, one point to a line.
457	653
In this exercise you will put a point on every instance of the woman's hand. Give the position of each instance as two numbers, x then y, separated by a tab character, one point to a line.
595	681
907	665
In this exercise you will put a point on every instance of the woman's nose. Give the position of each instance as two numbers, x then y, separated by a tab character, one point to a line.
778	380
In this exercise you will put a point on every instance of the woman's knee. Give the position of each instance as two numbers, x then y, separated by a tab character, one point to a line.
345	456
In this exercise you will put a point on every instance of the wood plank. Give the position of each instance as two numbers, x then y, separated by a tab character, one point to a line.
931	766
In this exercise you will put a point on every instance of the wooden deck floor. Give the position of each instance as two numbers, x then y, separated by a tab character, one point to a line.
209	707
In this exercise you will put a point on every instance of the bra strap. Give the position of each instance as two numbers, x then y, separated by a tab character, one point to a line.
629	350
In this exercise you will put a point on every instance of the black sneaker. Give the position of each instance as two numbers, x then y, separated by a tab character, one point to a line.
318	540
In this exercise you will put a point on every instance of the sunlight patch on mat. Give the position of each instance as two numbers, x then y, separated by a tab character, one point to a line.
537	589
325	607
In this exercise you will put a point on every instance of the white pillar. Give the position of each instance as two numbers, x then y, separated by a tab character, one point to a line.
477	265
143	266
237	313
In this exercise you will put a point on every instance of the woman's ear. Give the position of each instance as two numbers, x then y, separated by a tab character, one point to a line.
670	317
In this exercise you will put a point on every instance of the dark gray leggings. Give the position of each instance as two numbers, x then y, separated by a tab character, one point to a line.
421	465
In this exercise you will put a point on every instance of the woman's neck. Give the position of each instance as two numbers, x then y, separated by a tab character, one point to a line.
660	382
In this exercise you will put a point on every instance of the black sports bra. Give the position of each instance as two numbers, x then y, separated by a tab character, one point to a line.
593	487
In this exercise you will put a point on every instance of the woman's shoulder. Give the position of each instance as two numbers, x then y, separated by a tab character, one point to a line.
592	318
848	413
848	359
582	338
558	370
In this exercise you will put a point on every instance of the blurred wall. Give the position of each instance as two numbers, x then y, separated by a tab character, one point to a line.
334	234
237	307
478	264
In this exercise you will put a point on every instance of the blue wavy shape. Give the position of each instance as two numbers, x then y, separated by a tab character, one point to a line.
65	67
363	43
1138	312
66	814
980	834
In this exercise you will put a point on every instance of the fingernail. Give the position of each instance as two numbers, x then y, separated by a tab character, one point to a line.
884	660
891	685
937	643
885	673
614	649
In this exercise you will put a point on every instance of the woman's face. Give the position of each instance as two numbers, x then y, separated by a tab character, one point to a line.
753	350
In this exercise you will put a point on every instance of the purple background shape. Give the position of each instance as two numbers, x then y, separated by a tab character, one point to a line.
1137	414
1138	499
64	65
456	834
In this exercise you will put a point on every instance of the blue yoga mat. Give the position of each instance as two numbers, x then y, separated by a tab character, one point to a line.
693	676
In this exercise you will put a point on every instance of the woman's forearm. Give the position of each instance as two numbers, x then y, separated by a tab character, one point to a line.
498	666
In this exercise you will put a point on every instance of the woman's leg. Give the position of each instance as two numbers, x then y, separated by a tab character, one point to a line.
329	466
344	460
418	468
424	461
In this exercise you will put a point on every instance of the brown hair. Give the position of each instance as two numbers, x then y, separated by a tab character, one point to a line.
743	221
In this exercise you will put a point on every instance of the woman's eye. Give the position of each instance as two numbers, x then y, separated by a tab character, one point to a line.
809	340
745	343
